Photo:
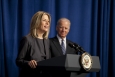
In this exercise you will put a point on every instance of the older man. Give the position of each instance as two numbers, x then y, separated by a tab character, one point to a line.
59	45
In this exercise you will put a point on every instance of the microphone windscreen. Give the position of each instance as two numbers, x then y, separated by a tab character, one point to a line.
71	45
76	45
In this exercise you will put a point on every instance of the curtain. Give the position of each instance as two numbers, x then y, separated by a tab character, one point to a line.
92	27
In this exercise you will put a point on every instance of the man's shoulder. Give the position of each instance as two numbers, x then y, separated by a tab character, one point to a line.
52	38
69	41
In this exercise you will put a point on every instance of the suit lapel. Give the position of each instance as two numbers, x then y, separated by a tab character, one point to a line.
67	47
57	45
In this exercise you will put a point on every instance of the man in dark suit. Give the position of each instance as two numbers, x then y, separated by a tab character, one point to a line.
56	48
62	28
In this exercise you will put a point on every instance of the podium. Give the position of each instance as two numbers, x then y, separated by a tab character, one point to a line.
68	66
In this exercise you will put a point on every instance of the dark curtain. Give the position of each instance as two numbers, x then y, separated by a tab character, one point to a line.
92	27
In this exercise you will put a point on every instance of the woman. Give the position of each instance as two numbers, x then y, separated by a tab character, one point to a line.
34	47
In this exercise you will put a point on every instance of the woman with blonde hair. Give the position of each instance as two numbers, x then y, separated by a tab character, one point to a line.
34	47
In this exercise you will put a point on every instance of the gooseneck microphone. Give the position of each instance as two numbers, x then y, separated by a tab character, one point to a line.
80	48
76	47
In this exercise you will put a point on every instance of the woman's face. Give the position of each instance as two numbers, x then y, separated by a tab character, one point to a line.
45	24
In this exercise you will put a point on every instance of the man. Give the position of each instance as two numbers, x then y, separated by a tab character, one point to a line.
62	28
56	47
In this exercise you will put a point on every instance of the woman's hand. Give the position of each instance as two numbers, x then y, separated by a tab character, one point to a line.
32	63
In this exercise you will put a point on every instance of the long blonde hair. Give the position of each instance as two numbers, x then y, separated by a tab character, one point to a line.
35	23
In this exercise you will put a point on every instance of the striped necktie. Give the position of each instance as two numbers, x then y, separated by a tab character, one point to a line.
63	47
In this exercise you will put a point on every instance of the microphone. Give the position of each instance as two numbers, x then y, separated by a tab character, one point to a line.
80	48
74	46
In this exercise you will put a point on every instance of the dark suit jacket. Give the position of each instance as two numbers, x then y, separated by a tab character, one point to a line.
56	50
30	50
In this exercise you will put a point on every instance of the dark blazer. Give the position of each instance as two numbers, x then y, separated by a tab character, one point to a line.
56	50
30	50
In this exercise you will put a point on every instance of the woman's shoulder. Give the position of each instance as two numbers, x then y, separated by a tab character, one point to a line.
28	38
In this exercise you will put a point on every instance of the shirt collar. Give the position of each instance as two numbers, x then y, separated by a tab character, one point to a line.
61	39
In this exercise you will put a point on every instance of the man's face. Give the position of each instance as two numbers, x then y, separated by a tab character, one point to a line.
63	29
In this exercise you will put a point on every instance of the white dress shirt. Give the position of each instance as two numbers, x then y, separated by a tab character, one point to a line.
60	40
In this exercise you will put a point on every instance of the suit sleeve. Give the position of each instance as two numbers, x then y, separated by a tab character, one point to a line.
23	55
